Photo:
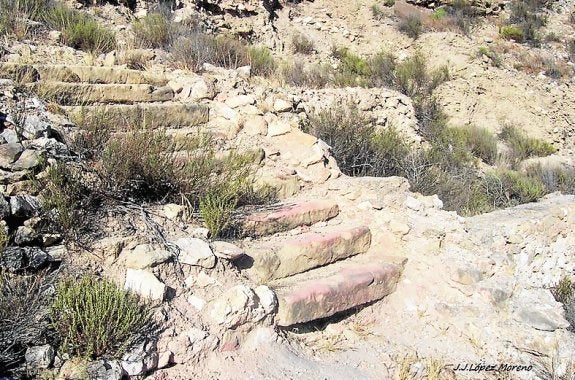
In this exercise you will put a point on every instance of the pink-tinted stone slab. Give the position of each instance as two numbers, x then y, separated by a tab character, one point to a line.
287	218
350	287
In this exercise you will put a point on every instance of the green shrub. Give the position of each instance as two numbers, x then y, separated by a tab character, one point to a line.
481	143
389	3
438	14
522	146
349	134
63	191
261	61
511	32
564	291
216	210
79	30
519	188
302	44
525	20
411	25
153	31
413	78
390	151
94	131
554	178
352	70
464	14
96	318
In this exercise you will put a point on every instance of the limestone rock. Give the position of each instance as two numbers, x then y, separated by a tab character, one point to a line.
228	251
241	304
39	356
140	359
282	105
9	154
173	211
538	308
195	252
146	256
145	284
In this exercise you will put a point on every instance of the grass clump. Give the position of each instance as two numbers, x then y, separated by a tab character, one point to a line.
64	193
523	146
15	16
564	290
297	74
79	30
96	318
261	61
194	49
216	210
302	44
511	32
153	31
138	164
411	25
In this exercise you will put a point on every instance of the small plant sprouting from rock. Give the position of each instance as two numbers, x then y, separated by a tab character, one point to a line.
96	318
216	210
564	291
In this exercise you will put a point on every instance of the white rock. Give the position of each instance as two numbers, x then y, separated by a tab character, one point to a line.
240	101
173	211
255	125
279	127
244	71
282	105
413	203
145	284
267	299
202	89
197	302
224	111
234	308
146	256
195	252
228	251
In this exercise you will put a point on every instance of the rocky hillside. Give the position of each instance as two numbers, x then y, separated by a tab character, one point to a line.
236	189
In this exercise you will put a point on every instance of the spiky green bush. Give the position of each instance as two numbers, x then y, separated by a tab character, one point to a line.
96	318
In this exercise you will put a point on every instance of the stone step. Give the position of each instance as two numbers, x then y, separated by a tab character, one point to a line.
290	216
125	116
283	257
326	291
87	74
81	94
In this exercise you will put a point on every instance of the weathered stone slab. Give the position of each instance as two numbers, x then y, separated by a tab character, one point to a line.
309	251
125	116
67	93
324	297
289	217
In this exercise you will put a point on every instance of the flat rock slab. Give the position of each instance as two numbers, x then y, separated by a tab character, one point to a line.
87	74
68	94
351	286
289	217
125	116
290	256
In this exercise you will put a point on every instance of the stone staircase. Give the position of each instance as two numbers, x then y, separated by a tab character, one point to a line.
127	98
319	273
